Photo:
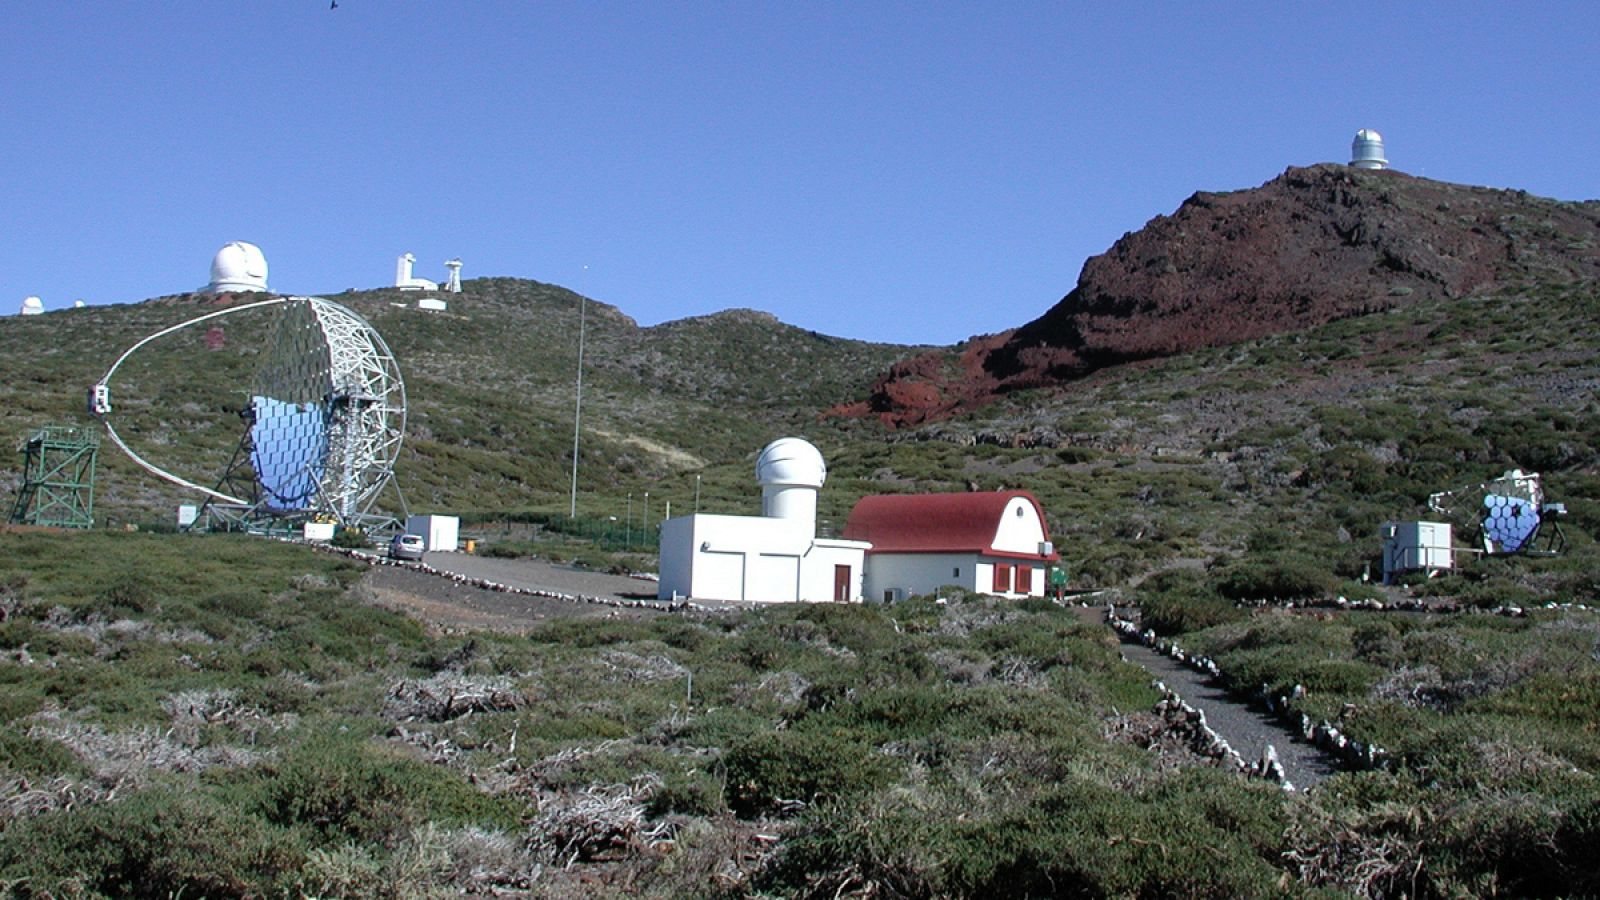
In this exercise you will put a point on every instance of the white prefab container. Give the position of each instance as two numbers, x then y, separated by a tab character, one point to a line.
318	531
438	532
1410	546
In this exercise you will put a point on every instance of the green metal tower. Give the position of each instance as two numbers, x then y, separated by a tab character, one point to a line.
58	478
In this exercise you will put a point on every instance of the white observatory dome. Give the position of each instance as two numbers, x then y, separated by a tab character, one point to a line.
791	473
791	461
32	306
1366	151
238	266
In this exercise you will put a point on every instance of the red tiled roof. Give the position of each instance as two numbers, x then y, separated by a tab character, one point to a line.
936	523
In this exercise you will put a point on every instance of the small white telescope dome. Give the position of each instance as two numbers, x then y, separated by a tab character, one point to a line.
32	306
791	473
1366	151
791	461
237	267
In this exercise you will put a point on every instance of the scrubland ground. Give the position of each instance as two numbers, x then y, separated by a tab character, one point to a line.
225	716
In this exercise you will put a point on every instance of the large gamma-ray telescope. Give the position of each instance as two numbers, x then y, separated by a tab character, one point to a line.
324	423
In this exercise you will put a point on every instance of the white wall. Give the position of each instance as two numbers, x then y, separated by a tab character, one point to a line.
712	557
1019	529
750	558
438	532
772	577
924	573
677	558
918	573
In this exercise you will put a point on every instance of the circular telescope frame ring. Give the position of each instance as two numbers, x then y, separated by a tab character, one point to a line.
356	377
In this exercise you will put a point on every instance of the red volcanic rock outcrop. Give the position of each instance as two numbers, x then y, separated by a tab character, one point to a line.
1313	245
931	386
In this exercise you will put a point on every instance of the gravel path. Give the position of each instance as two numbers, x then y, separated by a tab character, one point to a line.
1246	729
536	574
444	604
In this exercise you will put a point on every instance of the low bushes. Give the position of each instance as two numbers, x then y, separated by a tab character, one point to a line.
1287	576
1198	833
775	771
158	843
1177	602
339	789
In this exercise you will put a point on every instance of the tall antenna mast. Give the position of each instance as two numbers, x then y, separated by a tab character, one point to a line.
577	406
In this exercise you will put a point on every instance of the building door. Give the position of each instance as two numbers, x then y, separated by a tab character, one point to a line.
841	584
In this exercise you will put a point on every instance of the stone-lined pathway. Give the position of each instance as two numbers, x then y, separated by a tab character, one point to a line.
1245	728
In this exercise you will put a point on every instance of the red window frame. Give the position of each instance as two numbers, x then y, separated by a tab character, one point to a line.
1002	578
1024	579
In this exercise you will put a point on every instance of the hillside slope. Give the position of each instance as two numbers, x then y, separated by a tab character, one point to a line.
1316	435
490	385
1312	246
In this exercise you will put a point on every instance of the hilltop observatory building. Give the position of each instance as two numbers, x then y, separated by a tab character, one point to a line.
405	281
1366	151
773	558
32	306
238	267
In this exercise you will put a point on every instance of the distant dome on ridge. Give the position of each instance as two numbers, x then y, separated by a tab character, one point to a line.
1366	151
238	266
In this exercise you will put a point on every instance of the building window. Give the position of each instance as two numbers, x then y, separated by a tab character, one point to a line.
956	572
1002	579
1024	579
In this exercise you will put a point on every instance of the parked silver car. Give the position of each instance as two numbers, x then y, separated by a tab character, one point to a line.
406	546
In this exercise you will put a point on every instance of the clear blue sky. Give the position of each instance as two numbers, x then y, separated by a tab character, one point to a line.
911	172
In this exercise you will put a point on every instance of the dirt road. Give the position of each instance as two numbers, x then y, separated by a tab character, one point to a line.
449	605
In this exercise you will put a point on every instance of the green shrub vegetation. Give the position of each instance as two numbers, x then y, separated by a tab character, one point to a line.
237	721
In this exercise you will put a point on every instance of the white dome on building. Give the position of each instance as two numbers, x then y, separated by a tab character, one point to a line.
791	473
32	306
791	461
1366	151
238	266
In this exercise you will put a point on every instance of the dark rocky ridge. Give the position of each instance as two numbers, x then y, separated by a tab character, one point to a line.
1313	245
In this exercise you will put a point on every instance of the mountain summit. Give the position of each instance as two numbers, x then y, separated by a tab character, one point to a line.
1313	245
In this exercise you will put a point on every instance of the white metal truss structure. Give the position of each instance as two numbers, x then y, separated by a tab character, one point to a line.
327	415
365	405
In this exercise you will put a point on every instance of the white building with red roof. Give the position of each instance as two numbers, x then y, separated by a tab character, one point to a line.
990	542
893	545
